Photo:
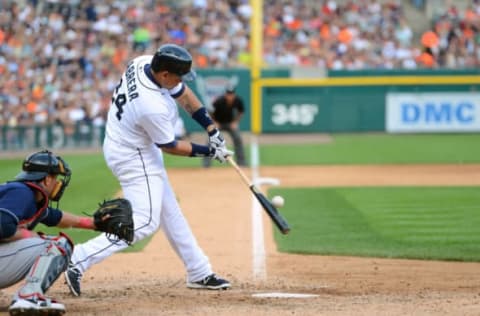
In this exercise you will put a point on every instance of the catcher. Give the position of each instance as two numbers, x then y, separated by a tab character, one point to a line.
36	257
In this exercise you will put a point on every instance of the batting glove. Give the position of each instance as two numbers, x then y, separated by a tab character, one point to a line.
220	153
216	139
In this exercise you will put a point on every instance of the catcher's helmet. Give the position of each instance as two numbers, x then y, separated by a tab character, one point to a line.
174	59
40	164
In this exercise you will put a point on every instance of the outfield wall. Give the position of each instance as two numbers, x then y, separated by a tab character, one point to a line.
359	104
353	101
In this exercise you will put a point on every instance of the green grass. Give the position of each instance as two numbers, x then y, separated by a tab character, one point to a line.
377	149
441	223
363	149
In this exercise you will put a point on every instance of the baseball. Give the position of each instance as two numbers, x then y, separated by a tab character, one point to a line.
278	201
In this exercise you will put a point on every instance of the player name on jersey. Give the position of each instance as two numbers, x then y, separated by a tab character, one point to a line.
131	85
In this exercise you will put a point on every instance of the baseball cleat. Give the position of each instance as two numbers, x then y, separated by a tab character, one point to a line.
211	282
73	276
37	306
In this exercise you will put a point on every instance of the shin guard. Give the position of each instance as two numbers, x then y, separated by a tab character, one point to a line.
48	266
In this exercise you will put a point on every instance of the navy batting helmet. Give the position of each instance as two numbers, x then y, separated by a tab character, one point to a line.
174	59
40	164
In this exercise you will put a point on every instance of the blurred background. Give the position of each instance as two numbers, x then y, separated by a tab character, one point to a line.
325	66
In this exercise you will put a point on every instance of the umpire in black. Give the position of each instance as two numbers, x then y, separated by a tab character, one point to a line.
227	110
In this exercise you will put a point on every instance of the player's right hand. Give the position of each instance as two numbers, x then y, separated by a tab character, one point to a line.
216	140
220	153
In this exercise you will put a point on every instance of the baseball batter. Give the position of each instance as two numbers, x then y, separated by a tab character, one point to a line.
140	126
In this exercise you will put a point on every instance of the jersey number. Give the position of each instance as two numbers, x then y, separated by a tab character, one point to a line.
119	99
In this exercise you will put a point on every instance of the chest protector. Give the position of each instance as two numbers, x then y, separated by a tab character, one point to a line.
31	222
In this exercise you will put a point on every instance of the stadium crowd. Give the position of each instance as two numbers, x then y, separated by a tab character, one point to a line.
59	60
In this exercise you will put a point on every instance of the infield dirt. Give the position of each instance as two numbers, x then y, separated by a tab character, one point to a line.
152	282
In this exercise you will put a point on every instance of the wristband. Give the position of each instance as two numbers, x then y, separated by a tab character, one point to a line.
200	150
86	222
212	132
202	117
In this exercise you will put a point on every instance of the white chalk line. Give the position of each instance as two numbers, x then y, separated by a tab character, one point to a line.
284	295
258	244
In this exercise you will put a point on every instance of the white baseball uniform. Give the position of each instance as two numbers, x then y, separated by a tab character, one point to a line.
142	116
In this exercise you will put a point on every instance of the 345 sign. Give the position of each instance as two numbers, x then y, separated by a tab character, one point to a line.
294	114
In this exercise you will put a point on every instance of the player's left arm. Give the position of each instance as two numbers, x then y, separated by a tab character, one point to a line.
63	219
161	131
179	148
185	148
70	220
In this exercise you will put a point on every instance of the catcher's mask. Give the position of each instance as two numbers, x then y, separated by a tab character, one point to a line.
40	164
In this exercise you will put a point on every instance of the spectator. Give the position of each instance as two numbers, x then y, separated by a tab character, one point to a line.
53	51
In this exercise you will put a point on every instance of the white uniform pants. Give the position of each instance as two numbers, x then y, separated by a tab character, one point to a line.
154	205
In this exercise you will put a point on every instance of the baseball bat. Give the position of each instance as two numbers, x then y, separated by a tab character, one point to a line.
271	210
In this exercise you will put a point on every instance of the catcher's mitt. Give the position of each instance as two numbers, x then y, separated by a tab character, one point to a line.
114	217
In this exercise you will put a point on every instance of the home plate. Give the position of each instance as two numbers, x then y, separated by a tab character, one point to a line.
284	295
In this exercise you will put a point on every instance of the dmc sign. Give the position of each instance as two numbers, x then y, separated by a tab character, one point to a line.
462	112
433	112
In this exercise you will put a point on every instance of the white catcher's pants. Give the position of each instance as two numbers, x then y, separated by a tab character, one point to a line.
154	205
